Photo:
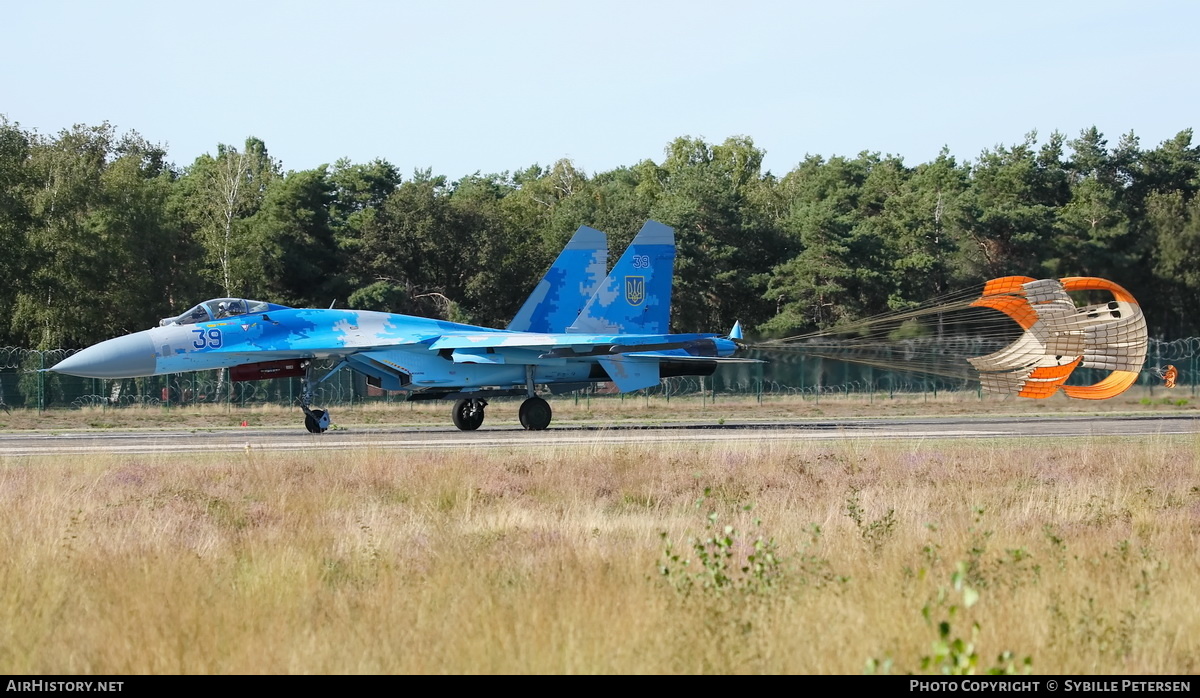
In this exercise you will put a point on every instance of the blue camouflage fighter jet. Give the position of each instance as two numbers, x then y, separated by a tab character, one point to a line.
578	327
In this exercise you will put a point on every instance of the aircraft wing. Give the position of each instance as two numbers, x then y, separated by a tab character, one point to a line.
576	346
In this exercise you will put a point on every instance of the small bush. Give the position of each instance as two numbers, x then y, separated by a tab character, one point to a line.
726	560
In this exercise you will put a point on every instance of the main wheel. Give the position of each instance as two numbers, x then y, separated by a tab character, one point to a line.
468	414
316	421
535	414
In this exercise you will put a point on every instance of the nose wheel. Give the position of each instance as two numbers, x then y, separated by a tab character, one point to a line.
468	413
316	421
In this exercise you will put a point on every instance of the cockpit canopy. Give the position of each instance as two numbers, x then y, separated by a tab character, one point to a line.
219	309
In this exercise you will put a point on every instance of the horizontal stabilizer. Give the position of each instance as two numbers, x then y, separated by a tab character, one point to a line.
653	356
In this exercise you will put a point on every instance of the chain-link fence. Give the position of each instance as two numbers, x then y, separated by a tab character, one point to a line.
23	383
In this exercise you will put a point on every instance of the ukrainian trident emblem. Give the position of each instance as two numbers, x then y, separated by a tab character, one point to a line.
635	289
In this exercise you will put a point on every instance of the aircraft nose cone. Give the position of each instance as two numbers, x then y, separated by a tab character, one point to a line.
130	356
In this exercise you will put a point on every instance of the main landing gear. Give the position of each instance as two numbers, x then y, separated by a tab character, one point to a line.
535	413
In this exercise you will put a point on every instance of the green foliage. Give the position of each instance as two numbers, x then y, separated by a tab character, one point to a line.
218	196
1109	632
725	246
909	329
289	250
1177	402
383	296
731	581
951	654
811	568
725	560
876	533
107	236
948	610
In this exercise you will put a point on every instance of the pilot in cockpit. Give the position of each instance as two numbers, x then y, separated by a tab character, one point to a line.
229	309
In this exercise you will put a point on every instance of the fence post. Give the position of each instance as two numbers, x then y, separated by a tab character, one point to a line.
41	381
1157	362
801	376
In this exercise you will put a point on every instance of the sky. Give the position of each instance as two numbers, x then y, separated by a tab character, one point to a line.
493	86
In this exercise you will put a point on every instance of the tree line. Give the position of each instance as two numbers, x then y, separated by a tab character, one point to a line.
103	235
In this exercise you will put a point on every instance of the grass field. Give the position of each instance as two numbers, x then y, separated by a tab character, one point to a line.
606	409
1076	554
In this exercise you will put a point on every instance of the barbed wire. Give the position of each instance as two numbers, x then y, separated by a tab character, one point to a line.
31	359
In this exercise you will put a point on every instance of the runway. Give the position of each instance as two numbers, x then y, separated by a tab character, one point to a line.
295	439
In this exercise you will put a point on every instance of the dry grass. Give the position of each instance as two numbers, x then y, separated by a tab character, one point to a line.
607	409
1083	552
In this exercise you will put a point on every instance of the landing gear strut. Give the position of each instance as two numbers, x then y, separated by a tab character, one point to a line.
468	413
315	421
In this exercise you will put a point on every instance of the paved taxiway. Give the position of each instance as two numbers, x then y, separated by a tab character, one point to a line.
502	436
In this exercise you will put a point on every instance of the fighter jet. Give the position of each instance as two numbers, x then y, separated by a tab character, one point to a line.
575	329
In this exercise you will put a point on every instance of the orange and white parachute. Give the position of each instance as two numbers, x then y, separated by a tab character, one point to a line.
1060	337
971	335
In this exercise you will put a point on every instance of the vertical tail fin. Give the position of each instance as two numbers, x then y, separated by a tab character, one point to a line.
565	289
636	296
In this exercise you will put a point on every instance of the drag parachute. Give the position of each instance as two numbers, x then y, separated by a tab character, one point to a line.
1060	336
1017	336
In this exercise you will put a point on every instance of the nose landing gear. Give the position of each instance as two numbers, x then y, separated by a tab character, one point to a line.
468	413
315	421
